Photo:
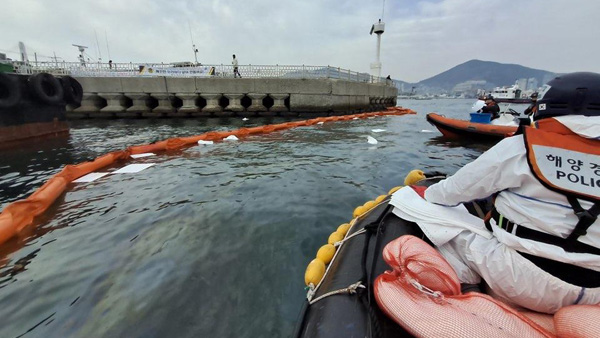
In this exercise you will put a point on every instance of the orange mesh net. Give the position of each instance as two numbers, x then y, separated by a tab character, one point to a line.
578	321
422	294
542	319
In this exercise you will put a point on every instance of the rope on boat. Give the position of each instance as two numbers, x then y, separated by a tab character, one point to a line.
312	289
359	232
351	289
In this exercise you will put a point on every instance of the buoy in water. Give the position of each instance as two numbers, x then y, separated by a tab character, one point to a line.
314	272
369	205
358	211
414	176
326	253
335	237
343	229
394	189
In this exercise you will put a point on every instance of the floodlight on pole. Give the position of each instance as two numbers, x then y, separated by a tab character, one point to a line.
81	52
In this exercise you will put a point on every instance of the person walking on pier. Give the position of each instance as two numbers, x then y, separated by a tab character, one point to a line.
236	72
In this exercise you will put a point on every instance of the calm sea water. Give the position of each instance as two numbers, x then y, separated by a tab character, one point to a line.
212	241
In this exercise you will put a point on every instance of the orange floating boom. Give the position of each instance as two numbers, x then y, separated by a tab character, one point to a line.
18	215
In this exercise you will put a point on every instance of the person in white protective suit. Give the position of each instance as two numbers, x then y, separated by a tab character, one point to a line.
545	250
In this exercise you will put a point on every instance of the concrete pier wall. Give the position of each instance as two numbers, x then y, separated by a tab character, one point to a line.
128	97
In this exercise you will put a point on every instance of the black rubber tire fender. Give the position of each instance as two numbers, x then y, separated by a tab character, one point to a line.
72	89
46	88
10	91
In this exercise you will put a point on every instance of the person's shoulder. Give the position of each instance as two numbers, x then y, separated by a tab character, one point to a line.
509	147
512	142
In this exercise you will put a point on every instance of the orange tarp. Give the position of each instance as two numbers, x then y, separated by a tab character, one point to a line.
18	215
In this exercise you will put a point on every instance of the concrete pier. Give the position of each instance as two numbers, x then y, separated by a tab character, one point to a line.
139	104
106	97
189	103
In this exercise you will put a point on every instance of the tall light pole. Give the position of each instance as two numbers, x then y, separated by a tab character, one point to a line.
378	29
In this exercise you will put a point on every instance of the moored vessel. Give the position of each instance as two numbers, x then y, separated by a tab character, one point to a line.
33	106
512	94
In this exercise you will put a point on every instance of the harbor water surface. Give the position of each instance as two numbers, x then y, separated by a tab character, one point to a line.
211	241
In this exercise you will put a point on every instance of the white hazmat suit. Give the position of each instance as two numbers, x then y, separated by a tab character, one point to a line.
522	199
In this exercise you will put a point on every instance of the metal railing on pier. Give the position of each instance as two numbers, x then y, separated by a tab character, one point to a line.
191	70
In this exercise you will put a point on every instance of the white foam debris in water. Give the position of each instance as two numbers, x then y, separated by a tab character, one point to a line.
91	177
230	138
133	168
202	142
378	130
245	119
142	155
320	122
371	140
426	131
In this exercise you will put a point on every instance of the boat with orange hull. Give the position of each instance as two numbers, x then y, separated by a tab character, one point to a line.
455	129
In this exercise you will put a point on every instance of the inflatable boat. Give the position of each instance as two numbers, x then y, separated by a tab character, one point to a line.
378	276
354	313
456	129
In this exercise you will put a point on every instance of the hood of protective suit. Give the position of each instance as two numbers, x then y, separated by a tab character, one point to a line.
585	126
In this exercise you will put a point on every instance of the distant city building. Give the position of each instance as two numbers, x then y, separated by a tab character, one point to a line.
547	78
532	83
468	88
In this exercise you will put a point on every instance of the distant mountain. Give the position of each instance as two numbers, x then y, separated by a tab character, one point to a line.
493	73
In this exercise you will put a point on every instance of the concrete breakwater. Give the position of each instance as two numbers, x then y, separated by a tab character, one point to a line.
127	97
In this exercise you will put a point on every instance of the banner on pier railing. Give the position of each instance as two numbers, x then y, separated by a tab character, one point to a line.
195	71
147	70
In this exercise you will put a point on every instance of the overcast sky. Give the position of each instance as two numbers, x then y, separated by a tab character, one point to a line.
422	38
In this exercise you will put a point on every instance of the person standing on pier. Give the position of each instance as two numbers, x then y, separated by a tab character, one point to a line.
236	72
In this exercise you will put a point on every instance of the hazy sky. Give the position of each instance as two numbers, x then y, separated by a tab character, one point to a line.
422	38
